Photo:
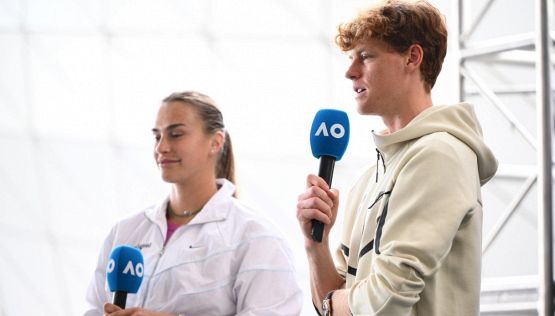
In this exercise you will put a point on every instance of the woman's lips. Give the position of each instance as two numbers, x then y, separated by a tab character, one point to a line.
167	162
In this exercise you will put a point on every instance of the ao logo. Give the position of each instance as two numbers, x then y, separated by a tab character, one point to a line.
129	269
337	130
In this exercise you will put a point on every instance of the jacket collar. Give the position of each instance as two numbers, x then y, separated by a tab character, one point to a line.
216	209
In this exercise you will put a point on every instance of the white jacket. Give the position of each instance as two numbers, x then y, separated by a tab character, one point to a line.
226	261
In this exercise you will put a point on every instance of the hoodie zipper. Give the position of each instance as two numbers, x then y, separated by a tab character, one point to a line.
371	245
379	157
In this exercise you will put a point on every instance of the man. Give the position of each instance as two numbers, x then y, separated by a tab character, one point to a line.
411	240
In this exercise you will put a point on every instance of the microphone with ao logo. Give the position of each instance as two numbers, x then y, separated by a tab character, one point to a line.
329	136
124	273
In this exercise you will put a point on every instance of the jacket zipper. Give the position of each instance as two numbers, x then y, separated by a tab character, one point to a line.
160	254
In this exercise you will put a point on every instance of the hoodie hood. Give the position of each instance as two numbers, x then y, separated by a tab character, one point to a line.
458	120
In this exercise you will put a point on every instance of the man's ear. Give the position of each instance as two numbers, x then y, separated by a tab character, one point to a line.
415	55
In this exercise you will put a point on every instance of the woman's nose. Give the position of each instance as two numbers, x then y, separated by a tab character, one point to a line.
162	146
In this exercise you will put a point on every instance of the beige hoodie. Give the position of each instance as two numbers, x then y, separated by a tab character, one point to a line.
411	241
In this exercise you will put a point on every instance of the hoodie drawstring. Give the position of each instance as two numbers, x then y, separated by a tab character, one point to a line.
379	157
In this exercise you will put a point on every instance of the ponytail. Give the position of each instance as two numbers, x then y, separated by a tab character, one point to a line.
225	167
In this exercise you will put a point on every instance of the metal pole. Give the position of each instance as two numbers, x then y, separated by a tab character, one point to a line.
460	41
545	203
466	35
506	215
490	96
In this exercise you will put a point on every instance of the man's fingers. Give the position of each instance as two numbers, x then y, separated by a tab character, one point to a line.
316	192
317	203
307	215
314	180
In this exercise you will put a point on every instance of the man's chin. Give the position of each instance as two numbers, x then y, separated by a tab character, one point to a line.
365	110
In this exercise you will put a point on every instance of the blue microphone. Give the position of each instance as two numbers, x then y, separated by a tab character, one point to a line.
329	137
124	273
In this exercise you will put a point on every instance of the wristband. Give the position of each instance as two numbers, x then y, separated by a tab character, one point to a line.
327	308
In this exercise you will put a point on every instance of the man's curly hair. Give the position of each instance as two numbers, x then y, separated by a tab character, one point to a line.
400	24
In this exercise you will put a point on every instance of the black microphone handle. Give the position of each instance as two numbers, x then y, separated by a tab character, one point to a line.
120	298
326	172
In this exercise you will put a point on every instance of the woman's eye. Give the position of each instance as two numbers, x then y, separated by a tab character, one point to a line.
175	135
157	137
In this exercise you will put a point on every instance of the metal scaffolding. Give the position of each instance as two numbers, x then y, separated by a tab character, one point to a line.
538	291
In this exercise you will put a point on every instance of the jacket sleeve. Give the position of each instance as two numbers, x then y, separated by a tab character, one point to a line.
265	283
436	187
96	292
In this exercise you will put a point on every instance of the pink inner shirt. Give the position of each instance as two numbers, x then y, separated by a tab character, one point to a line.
171	229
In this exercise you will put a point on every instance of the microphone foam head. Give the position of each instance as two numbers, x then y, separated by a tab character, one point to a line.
329	135
125	269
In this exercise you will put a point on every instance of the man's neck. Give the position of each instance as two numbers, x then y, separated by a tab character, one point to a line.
406	111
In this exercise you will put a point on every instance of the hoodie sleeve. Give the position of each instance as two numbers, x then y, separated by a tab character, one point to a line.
436	190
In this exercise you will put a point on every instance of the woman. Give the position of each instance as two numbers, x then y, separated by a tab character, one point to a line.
204	252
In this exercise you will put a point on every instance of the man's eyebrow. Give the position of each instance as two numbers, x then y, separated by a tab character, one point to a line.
354	52
169	127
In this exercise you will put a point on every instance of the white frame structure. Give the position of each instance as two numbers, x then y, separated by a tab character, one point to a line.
540	41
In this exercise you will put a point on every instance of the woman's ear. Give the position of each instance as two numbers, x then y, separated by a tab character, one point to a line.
217	142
